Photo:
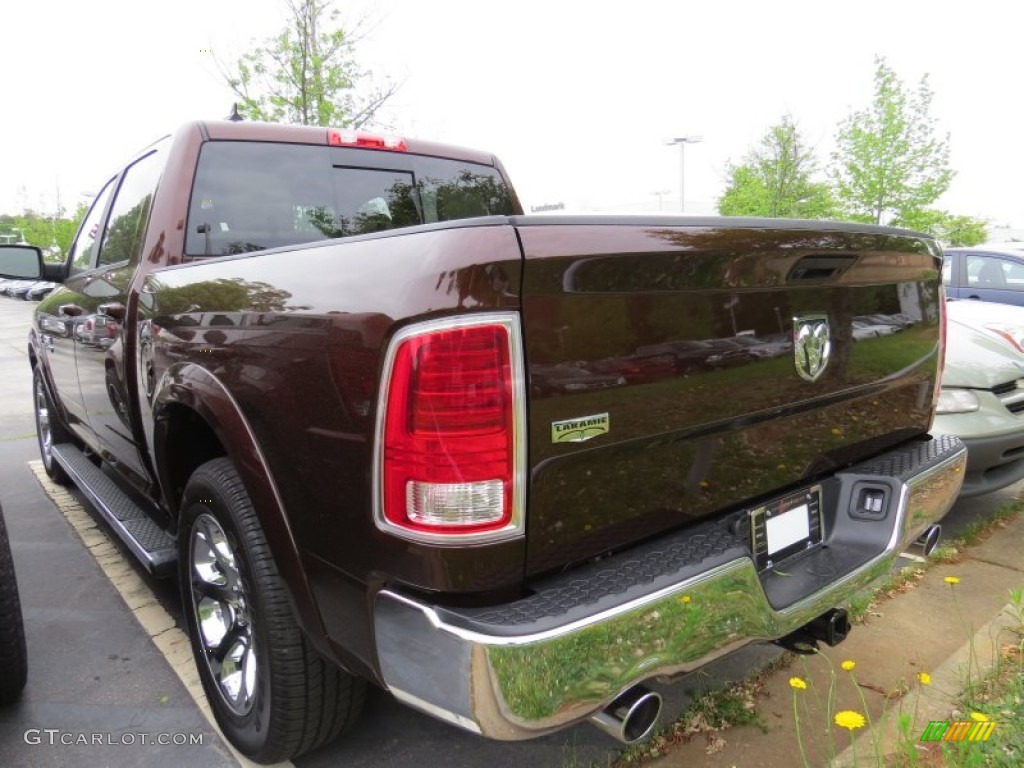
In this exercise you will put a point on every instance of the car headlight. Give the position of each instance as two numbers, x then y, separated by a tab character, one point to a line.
957	401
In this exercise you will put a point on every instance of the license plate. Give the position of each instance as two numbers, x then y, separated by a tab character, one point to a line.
785	527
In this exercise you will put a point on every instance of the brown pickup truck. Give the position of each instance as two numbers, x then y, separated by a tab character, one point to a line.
384	427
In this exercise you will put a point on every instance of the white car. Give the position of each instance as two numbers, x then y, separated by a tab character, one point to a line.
982	395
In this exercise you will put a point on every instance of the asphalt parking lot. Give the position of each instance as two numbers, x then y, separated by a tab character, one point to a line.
100	692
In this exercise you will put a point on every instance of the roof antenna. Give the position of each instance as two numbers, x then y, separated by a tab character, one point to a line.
234	117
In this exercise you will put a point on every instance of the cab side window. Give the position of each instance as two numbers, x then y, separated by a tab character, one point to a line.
83	254
129	214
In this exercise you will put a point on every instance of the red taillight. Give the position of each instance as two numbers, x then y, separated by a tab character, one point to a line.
461	381
365	140
449	430
943	320
943	330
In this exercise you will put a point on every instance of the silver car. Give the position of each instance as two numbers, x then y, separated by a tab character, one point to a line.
982	395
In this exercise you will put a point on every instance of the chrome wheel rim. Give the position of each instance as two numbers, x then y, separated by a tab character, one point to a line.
43	423
221	615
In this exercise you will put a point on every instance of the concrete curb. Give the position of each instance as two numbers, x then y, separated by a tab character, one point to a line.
969	664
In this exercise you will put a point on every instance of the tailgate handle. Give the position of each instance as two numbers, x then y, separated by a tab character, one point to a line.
819	268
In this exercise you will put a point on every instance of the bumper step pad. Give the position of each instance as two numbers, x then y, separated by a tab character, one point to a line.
679	556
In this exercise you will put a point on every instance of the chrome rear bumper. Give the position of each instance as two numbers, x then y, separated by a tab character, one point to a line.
508	676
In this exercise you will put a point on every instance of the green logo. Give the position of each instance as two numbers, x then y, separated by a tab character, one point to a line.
958	730
578	430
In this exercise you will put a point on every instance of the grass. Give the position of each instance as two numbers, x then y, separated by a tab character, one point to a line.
950	552
979	530
1000	696
707	717
997	697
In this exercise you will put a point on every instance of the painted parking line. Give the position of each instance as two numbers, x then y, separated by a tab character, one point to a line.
166	635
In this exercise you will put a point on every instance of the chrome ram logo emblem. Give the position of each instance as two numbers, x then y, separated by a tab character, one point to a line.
812	345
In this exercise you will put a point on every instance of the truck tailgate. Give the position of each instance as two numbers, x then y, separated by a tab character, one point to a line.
665	384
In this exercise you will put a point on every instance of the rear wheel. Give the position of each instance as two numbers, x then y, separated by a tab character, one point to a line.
13	659
48	429
273	695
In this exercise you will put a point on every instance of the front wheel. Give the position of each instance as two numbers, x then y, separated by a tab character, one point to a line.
13	658
48	429
273	695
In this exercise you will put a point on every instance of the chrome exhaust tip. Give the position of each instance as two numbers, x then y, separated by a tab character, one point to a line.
631	717
928	541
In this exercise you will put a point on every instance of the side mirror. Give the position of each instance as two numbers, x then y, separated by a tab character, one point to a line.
21	262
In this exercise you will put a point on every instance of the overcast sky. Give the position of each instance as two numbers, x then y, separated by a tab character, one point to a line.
576	98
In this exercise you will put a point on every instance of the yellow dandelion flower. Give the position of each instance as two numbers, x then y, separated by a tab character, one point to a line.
850	720
979	717
685	599
797	683
952	580
924	678
848	665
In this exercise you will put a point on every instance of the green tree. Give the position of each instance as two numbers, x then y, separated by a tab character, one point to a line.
65	229
53	234
125	232
776	179
220	295
889	165
308	73
947	228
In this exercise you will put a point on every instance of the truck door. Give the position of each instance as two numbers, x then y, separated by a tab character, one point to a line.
60	316
102	345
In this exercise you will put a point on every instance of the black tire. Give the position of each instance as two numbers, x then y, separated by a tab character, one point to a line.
49	431
276	697
13	658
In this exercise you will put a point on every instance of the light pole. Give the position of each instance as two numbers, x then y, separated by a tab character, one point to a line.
682	141
660	193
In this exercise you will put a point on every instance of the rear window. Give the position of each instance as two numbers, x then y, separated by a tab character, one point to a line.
251	196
